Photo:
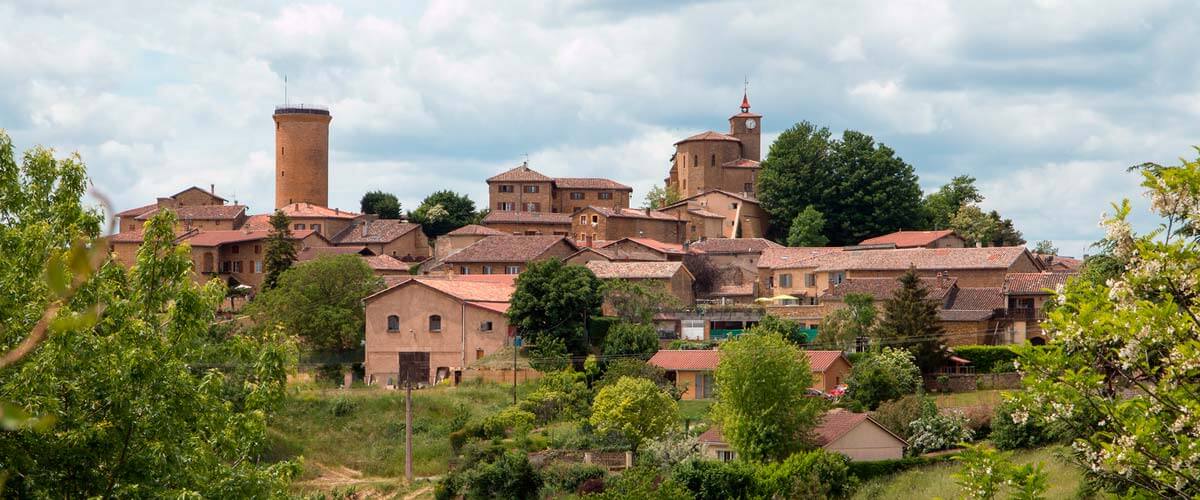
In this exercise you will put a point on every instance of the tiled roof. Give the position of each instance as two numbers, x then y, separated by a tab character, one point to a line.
201	212
883	288
634	270
731	194
256	222
653	244
311	253
513	217
1060	264
933	259
520	174
820	361
195	188
632	213
133	212
741	163
909	239
214	238
589	183
598	251
792	257
835	424
710	136
688	360
980	299
964	315
712	436
507	249
385	263
704	213
495	288
475	229
376	231
734	245
500	307
310	210
1034	283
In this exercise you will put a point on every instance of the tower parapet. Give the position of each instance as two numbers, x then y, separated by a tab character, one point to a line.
301	155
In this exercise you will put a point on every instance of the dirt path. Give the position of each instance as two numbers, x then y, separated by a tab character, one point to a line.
415	494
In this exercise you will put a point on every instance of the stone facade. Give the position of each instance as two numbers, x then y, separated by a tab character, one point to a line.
714	160
593	224
301	156
740	216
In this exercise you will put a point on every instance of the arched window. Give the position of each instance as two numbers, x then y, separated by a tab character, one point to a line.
435	323
714	159
695	160
393	323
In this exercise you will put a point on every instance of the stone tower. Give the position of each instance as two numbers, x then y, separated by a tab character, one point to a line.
747	127
301	155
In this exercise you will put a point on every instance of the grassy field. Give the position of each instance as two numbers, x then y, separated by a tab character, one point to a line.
936	481
990	397
695	410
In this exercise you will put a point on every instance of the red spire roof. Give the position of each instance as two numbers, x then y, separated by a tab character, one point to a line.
745	103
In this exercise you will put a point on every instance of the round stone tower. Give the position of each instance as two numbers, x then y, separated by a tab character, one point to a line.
301	155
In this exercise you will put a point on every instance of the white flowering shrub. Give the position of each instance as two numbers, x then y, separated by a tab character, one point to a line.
938	431
1123	367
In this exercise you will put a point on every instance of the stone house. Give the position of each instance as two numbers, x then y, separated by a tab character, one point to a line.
856	435
741	215
523	189
463	237
588	254
506	254
238	255
642	249
670	276
736	262
592	224
194	208
399	239
692	370
528	223
946	238
715	160
1025	295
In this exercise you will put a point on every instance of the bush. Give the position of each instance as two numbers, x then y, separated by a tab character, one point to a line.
511	418
897	415
939	432
883	376
567	477
637	368
549	355
343	406
716	480
672	449
812	474
631	339
640	482
559	395
988	358
866	471
1013	428
692	345
510	476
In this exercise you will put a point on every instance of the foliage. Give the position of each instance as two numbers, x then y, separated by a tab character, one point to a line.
705	274
1045	247
631	339
762	405
883	376
561	395
862	187
843	327
637	301
549	355
280	250
986	472
511	419
789	329
510	475
938	431
442	212
811	474
597	330
1007	234
385	205
643	482
320	301
1013	427
636	408
941	206
807	228
1097	269
636	368
910	320
552	300
988	358
707	479
866	471
1139	332
898	414
672	449
660	196
693	345
568	477
974	225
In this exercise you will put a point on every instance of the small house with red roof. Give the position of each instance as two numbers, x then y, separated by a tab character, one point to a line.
945	238
855	435
642	249
692	370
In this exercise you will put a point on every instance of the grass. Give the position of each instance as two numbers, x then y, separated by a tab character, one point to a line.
695	410
936	481
989	397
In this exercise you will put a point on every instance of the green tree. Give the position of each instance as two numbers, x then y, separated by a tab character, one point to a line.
280	251
762	404
789	329
385	205
986	472
635	408
910	320
843	327
638	301
636	368
442	212
660	196
320	301
806	229
631	339
1120	365
860	186
1045	247
883	376
941	206
974	225
549	354
554	299
1006	232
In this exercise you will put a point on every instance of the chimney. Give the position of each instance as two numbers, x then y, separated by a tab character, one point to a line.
212	188
364	229
337	211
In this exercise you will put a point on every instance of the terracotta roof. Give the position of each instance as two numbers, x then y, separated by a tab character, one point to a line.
460	287
377	231
634	270
731	194
741	163
521	173
513	217
500	307
820	361
734	245
195	188
214	238
1034	283
632	213
710	136
688	360
1060	264
507	248
884	288
475	229
309	210
933	259
385	263
705	213
311	253
598	251
712	435
964	315
835	424
589	183
257	221
792	257
908	239
980	299
202	212
653	244
138	210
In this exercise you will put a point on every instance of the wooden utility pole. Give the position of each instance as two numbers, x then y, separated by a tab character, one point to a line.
516	343
408	475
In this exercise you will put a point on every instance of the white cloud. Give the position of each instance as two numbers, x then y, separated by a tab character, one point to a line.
847	49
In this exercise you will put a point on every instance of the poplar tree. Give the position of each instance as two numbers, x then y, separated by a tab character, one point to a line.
281	253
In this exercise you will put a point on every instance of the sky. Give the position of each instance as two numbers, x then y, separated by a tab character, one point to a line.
1045	102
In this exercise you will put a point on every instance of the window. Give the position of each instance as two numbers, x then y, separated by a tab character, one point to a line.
485	326
837	278
478	353
810	279
595	219
315	227
464	270
582	220
576	195
226	266
257	249
704	385
531	188
604	195
695	161
237	248
785	280
393	323
713	162
237	266
506	188
726	455
506	206
258	267
685	185
748	187
299	227
435	323
770	282
533	207
487	269
512	270
733	205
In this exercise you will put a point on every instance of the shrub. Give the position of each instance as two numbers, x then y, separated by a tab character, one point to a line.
883	376
939	432
812	474
866	471
598	327
549	355
691	345
988	358
510	476
637	368
631	339
1014	427
716	480
672	449
511	418
559	395
343	406
641	482
567	477
898	414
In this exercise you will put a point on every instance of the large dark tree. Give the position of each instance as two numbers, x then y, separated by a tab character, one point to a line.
281	252
553	300
910	321
385	205
942	205
861	186
444	211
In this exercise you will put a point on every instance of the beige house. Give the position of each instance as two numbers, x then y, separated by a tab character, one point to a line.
506	254
741	215
691	370
946	238
396	238
194	208
238	255
855	435
715	160
592	224
642	249
438	324
670	276
1026	295
523	189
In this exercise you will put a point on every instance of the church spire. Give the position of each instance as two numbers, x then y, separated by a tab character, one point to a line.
745	96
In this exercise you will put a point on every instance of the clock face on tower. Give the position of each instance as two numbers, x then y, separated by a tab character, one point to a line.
750	123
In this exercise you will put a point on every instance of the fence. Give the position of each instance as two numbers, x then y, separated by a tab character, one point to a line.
611	460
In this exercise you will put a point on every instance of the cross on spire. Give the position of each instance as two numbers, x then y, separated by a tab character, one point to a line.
745	95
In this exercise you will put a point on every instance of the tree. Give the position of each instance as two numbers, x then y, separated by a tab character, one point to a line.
985	472
442	212
1045	247
133	410
1006	232
861	187
635	408
385	205
1120	364
280	252
790	330
631	339
638	301
941	206
910	320
883	376
320	301
974	225
762	404
844	327
806	229
554	299
636	368
549	354
660	196
705	274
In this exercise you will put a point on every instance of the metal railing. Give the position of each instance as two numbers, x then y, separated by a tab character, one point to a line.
301	109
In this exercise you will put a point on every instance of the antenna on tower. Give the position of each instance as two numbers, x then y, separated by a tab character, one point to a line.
526	159
285	101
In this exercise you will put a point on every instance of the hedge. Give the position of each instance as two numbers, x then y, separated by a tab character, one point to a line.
988	358
866	471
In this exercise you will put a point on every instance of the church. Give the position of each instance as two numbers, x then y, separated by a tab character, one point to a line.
720	161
